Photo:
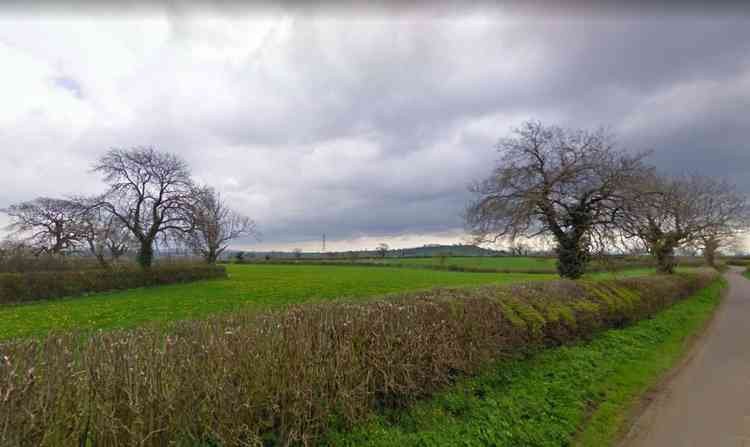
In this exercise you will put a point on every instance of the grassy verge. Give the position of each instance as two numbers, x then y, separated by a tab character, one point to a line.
579	394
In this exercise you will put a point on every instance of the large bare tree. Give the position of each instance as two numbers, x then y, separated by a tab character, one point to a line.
666	213
150	192
213	225
553	181
47	225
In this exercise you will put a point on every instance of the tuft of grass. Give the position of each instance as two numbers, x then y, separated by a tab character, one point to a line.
255	287
570	395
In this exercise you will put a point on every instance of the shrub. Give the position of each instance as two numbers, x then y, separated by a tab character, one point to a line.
282	378
32	286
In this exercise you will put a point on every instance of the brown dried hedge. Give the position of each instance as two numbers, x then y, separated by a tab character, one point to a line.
282	378
33	286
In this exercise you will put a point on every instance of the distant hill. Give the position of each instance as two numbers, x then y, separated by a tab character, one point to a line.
450	250
414	252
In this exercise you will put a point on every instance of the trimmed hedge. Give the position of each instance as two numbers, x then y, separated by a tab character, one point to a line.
615	266
447	267
284	378
32	286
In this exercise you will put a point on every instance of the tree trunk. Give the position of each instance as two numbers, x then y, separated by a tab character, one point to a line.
145	255
98	254
573	246
665	259
102	261
709	251
211	257
572	256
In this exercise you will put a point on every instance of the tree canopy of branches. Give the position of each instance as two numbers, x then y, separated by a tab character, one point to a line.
105	234
554	181
665	213
46	224
150	192
213	224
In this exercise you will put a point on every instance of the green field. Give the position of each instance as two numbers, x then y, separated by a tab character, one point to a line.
258	286
517	263
255	286
500	263
571	395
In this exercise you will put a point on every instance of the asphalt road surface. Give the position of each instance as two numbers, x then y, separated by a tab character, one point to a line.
706	403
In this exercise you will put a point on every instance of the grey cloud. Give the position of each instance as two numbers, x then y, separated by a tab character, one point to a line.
375	126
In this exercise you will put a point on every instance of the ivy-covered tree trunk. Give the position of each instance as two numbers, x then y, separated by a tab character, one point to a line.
211	256
573	246
145	257
665	259
663	251
572	257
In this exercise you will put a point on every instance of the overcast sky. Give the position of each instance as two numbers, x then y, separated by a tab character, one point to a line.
363	124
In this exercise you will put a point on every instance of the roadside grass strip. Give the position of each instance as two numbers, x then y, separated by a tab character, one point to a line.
579	394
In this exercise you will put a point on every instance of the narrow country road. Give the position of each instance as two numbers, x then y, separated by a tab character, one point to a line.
707	402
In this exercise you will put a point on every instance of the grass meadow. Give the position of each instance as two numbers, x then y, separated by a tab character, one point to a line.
254	286
261	287
501	263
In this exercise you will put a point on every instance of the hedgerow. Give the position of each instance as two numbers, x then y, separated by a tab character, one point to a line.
33	286
579	394
284	378
601	266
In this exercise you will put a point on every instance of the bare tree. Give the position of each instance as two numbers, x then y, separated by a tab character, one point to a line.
729	218
149	192
213	225
105	234
666	213
48	225
519	249
382	249
553	181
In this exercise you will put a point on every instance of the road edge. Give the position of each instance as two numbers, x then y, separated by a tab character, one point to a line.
636	421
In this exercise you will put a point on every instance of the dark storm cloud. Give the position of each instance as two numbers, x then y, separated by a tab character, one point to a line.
373	123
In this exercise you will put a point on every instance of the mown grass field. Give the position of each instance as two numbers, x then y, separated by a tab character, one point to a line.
255	286
571	395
